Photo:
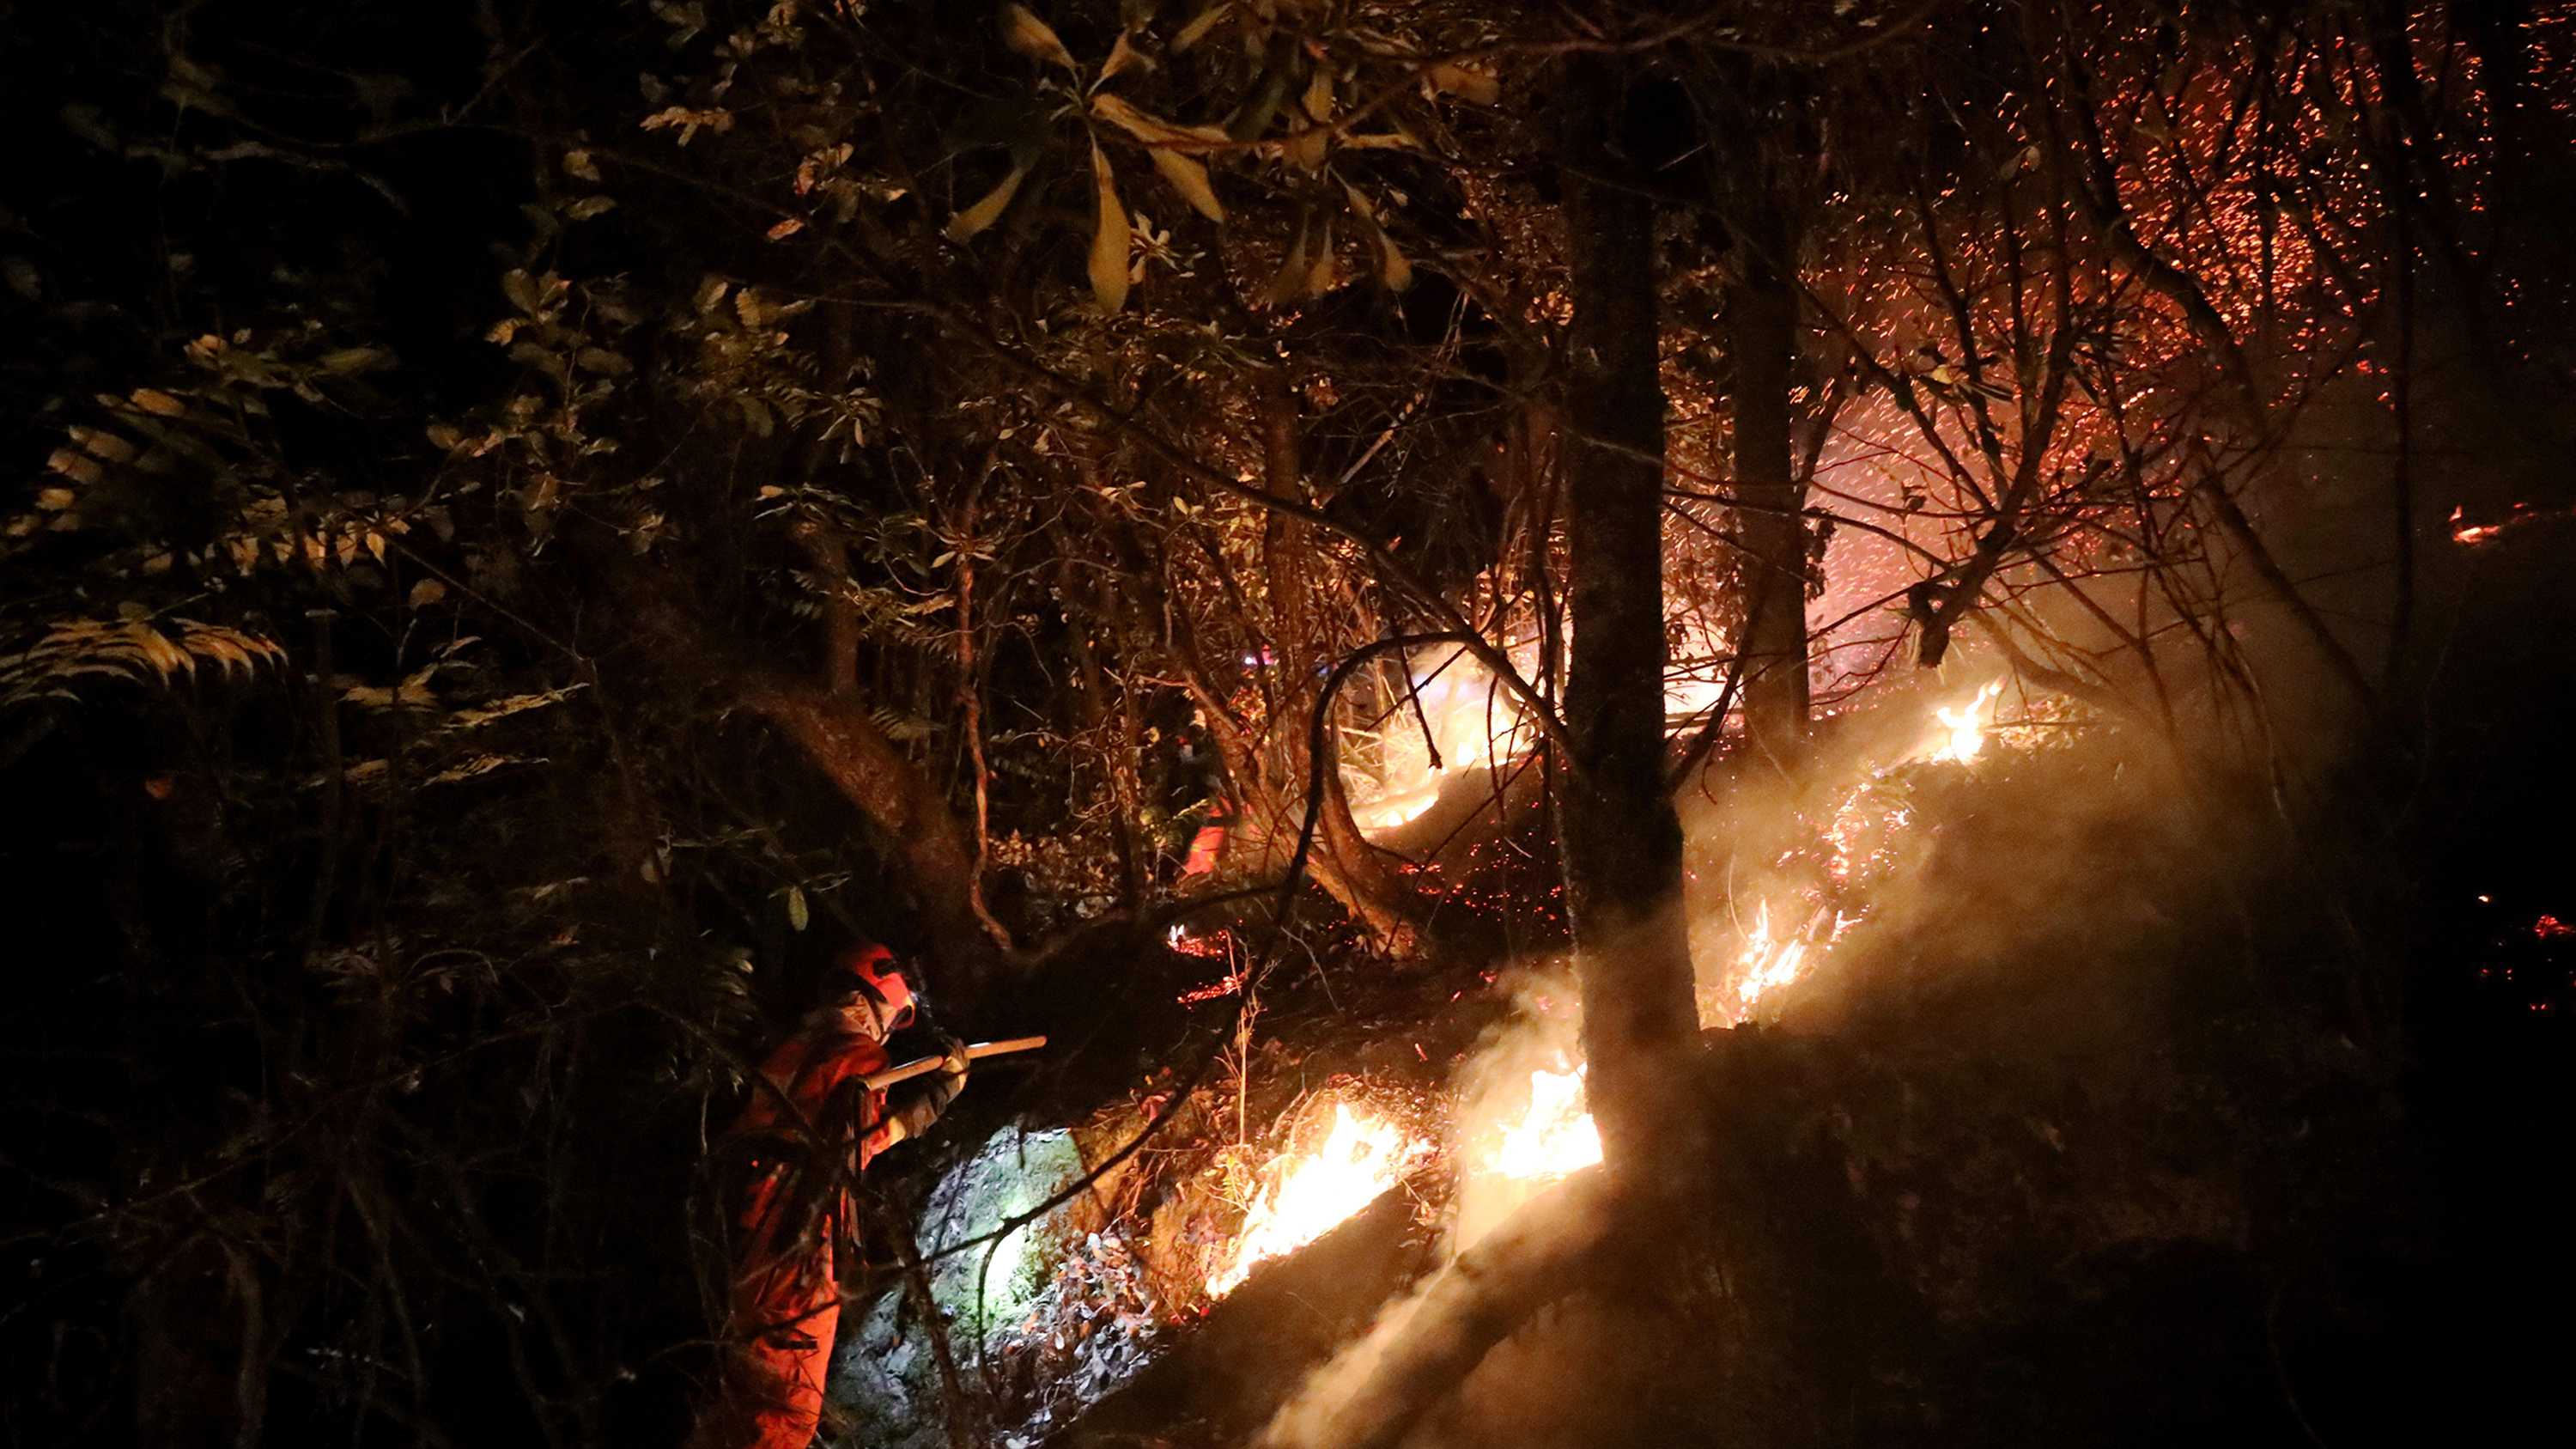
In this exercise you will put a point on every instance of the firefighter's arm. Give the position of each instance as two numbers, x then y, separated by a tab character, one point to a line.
909	1109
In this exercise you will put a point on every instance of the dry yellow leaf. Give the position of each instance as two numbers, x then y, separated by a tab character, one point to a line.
1323	274
1319	95
1291	276
1466	82
1110	242
357	359
1394	271
1149	128
1124	56
79	467
1196	31
165	657
1190	179
987	211
105	446
1032	37
1306	148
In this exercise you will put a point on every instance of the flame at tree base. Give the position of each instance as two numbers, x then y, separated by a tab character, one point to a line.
1554	1137
1526	1143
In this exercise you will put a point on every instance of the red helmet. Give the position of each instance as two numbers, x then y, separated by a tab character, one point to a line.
872	973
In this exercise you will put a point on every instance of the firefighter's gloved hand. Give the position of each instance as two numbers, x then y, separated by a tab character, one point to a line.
925	1100
951	1076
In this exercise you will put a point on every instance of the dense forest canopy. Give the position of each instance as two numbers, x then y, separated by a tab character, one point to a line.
1955	607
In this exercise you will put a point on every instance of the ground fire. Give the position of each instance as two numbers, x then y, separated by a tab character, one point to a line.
1313	1192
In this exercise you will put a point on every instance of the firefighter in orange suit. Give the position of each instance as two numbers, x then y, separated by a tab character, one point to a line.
786	1300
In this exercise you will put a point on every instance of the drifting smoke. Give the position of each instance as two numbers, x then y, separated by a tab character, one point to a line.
1445	1327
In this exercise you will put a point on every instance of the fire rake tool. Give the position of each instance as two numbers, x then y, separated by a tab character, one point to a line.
923	1066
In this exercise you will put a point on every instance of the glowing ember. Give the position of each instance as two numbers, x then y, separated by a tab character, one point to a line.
1963	730
2470	535
1769	963
1361	1159
1554	1137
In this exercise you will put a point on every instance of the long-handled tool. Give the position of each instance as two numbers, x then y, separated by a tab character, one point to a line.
924	1066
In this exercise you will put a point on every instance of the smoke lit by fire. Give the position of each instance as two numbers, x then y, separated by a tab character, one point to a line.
1451	721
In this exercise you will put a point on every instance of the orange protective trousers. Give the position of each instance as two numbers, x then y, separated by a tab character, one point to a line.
786	1299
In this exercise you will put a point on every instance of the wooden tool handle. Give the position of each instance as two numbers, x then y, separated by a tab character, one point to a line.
924	1066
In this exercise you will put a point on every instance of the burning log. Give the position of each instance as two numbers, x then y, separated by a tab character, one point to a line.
1420	1352
1228	1374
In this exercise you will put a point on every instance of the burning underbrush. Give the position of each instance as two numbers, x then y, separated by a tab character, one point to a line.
1788	881
1943	978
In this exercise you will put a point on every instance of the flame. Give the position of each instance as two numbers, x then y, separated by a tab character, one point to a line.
1963	730
1454	712
1362	1158
1389	811
1523	1144
1768	963
1554	1136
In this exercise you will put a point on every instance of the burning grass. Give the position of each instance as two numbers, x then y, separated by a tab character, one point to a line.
1312	1191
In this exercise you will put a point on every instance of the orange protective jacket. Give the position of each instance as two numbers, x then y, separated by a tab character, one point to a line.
786	1297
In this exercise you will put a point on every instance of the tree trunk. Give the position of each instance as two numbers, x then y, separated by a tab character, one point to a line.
1761	336
1270	773
838	737
1622	841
